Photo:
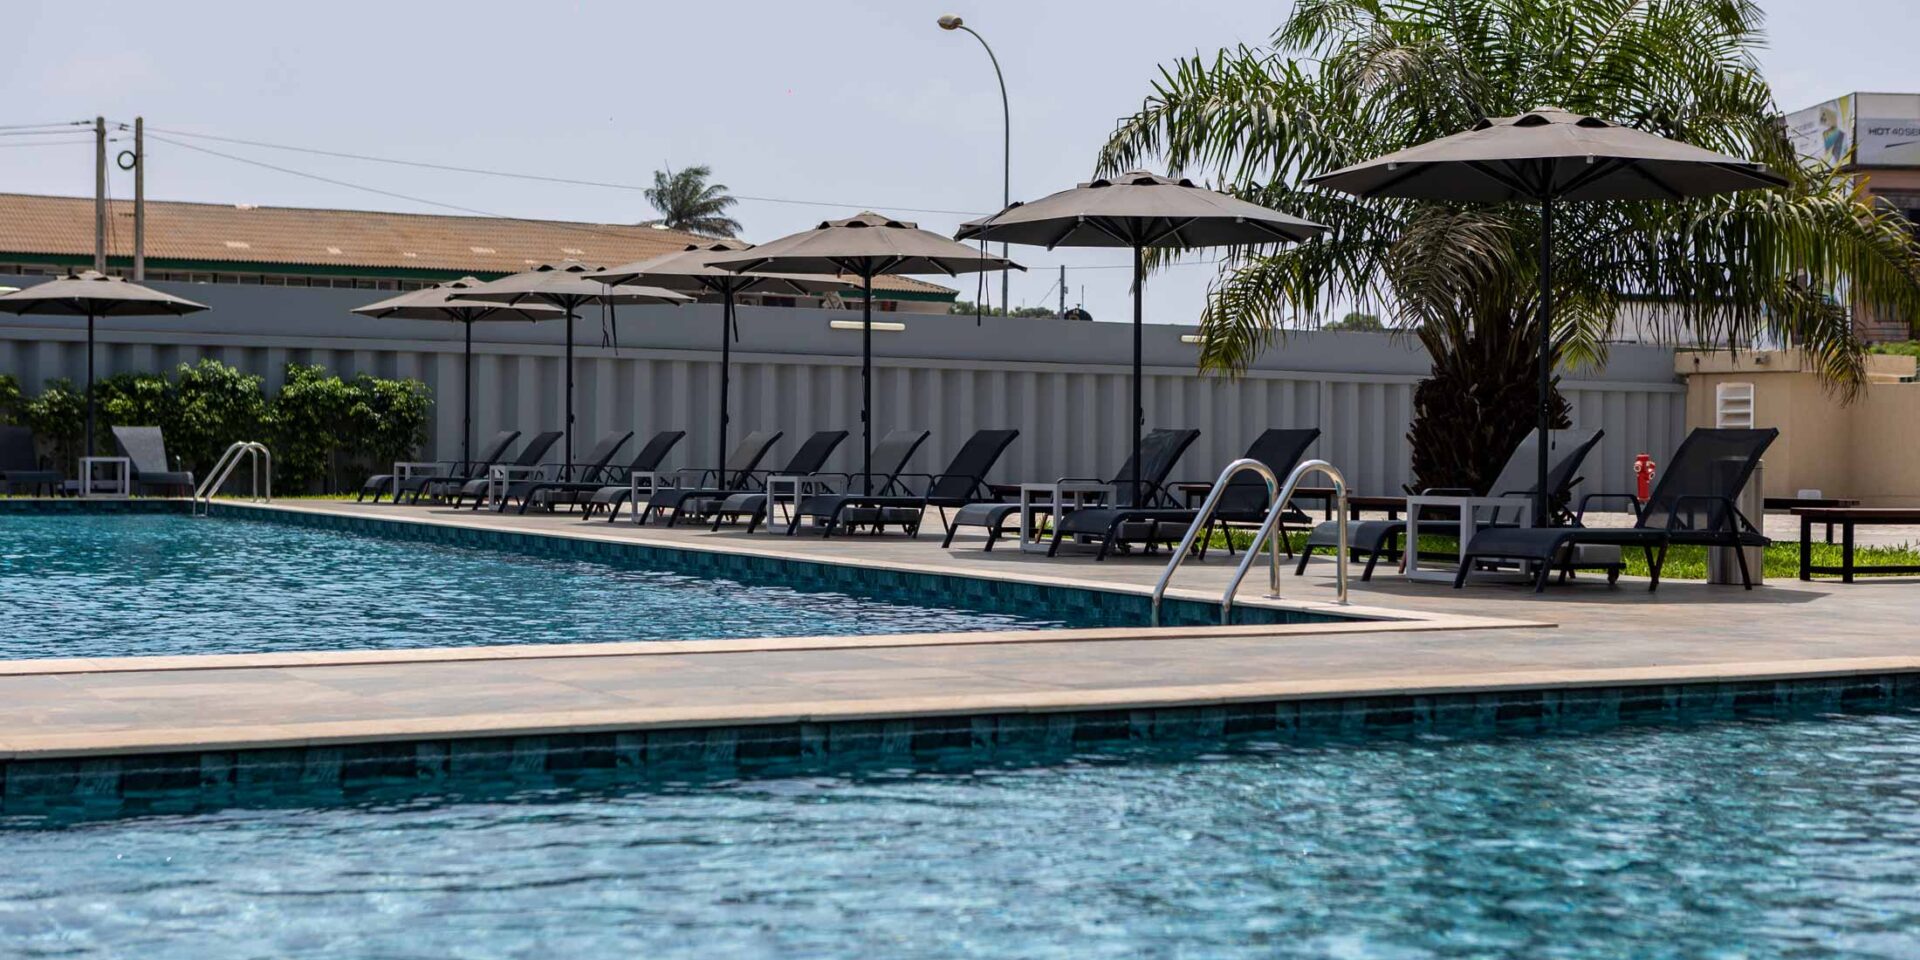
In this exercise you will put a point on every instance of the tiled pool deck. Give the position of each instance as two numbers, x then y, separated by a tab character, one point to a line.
1488	657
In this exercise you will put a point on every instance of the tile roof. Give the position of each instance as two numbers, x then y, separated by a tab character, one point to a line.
294	237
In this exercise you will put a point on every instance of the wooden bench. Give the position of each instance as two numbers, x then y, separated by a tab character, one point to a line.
1794	503
1847	518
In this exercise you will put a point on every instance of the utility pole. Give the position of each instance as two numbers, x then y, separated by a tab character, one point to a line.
139	199
100	194
1063	290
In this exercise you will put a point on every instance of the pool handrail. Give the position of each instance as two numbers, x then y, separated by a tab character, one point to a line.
257	455
1276	508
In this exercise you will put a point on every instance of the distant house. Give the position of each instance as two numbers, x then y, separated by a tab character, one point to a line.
300	247
1875	137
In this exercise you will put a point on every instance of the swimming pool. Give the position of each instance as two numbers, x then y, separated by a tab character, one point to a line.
80	585
1746	838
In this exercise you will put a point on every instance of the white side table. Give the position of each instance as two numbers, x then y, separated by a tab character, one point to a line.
1514	509
790	490
1060	497
500	475
408	469
119	484
642	485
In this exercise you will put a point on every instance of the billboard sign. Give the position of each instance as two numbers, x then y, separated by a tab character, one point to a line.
1887	142
1824	132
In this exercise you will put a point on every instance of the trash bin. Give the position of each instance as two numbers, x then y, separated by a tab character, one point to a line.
1722	567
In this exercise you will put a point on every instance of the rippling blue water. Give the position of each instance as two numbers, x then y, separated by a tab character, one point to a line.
1749	839
120	585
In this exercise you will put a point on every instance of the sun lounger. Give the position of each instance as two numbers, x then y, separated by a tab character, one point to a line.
146	449
1693	504
1159	451
531	457
1376	540
734	474
593	466
490	453
20	466
963	482
889	458
699	504
1243	502
580	491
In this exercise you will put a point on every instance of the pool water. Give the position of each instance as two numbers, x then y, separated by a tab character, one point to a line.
1736	839
136	585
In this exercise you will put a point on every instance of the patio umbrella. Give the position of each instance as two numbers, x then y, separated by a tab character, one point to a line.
692	270
437	303
1546	156
92	294
865	245
1139	210
568	285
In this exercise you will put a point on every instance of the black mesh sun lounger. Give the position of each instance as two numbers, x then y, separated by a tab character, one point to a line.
1693	503
490	453
963	482
1380	539
889	458
152	469
1243	502
1159	451
736	474
20	464
810	457
553	493
532	455
592	467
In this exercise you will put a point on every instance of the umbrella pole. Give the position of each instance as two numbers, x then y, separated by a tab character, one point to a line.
866	384
1542	496
726	371
466	401
87	480
1139	406
566	466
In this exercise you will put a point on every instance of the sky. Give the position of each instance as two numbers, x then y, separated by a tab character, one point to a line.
845	105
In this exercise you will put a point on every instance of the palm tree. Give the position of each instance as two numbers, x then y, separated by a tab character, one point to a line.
1346	80
686	201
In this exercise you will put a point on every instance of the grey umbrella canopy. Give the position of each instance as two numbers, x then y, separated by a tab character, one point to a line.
865	245
1546	156
92	294
1139	210
437	303
692	270
568	285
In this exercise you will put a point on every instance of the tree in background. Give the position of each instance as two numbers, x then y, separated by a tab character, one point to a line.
686	201
968	307
1357	322
1348	80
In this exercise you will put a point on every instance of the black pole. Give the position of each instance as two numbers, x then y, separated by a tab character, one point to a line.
1139	406
866	385
86	480
566	466
466	402
726	371
1542	496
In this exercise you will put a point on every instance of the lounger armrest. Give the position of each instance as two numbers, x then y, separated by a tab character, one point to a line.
1447	492
1735	518
1633	503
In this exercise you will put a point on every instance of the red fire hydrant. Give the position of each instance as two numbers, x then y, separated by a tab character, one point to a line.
1643	475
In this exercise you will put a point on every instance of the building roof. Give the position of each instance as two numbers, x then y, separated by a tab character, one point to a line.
246	237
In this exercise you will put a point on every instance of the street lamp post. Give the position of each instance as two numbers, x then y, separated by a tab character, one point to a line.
952	22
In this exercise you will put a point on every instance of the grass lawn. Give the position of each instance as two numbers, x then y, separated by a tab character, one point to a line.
1689	563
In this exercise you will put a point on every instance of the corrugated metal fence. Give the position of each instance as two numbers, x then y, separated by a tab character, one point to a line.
1063	384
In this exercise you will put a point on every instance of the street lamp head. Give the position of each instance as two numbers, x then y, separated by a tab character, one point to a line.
951	22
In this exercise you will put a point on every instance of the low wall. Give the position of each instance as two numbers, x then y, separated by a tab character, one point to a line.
1063	384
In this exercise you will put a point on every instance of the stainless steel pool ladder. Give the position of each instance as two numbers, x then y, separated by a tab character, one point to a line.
256	454
1276	508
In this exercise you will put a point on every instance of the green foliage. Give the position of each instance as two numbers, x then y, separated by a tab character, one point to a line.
325	427
1348	80
968	307
1358	322
317	425
686	201
1902	348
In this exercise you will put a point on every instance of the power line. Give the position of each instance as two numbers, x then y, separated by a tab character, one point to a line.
541	178
59	123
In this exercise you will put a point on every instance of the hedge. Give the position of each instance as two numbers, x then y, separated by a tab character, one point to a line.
321	429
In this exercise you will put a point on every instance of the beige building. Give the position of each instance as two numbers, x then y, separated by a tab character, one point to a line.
1875	137
1863	450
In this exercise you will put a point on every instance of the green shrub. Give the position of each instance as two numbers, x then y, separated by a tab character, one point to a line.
58	417
387	421
213	406
12	402
326	429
